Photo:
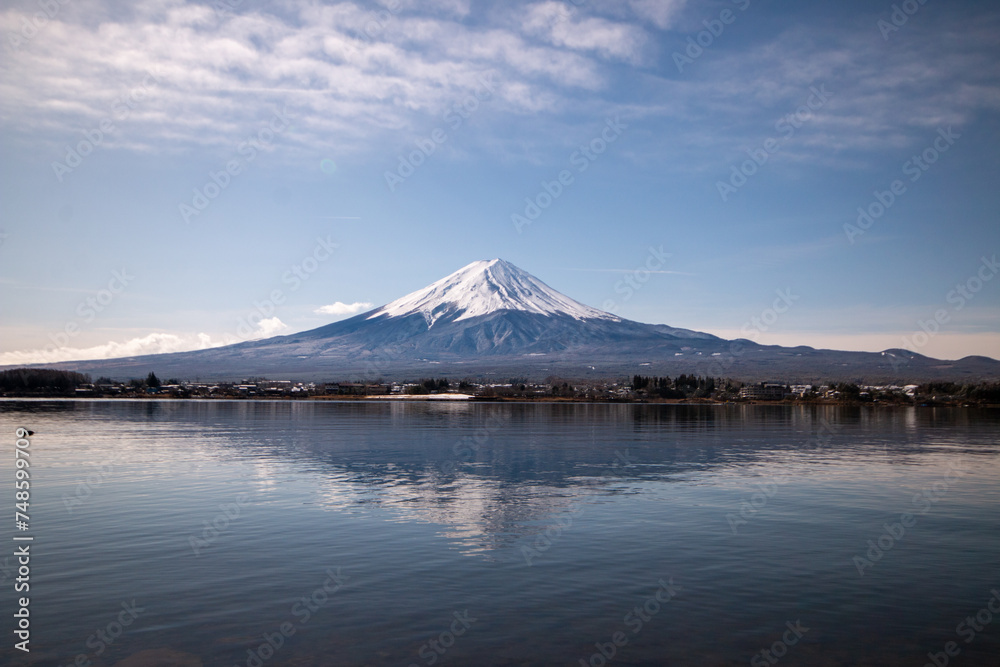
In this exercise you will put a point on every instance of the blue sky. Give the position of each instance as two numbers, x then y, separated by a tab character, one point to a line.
175	175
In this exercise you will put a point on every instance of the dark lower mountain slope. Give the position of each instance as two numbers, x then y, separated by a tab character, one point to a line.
514	343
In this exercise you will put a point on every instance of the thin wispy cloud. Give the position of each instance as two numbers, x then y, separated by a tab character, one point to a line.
154	343
208	77
662	13
560	25
214	75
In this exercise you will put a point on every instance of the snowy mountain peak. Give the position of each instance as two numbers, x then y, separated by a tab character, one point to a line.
484	287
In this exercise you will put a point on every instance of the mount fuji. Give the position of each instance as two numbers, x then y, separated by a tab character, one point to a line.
492	318
486	287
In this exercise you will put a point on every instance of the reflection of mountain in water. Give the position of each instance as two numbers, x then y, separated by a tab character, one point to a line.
479	515
494	475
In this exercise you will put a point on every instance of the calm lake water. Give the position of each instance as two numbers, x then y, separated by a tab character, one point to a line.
279	533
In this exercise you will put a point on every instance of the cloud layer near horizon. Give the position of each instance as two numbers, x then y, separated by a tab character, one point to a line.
153	343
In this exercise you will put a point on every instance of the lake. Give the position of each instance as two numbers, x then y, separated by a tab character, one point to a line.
258	533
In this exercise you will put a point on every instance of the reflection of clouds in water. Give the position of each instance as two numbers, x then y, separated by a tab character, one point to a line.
491	477
459	473
479	515
263	475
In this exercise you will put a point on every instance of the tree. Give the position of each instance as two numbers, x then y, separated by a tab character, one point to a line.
848	390
40	380
152	380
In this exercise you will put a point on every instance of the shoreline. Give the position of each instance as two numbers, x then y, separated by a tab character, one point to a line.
466	398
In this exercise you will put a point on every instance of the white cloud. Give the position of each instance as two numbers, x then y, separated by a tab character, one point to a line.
269	327
880	99
663	13
340	308
455	7
220	77
559	24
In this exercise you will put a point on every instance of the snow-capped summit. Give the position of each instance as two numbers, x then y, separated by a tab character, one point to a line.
485	287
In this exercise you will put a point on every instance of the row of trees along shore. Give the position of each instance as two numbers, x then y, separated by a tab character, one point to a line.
47	382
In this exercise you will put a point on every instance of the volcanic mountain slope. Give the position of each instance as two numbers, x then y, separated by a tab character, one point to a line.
492	318
489	308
